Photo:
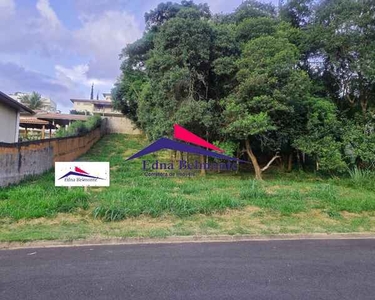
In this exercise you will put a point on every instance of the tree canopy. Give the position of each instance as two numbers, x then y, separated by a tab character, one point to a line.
293	84
32	101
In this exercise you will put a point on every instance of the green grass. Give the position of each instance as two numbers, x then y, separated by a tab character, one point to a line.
38	198
280	201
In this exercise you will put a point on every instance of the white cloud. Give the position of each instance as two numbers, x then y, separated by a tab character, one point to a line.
46	11
93	48
90	7
77	75
11	73
25	32
102	37
7	7
72	76
96	44
14	77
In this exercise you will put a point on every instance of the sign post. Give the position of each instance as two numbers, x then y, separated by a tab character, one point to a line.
74	174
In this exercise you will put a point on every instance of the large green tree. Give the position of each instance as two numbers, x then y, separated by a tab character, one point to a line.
344	38
178	68
288	83
260	111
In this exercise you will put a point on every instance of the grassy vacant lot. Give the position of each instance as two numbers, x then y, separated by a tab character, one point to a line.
140	206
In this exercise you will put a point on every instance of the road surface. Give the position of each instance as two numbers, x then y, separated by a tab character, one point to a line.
309	269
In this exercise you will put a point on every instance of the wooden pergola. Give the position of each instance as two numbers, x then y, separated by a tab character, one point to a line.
35	123
61	120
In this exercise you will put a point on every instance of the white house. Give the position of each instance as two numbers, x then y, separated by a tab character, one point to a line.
10	111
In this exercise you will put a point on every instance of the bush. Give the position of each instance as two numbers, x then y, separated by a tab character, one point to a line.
360	178
80	127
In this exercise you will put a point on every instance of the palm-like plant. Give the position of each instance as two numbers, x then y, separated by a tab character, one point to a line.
32	101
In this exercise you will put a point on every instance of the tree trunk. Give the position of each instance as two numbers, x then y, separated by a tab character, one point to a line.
290	162
254	161
238	163
299	160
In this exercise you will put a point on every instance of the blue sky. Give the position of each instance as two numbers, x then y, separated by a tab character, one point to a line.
60	47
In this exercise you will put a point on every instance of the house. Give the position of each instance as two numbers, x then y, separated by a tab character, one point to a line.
107	96
116	121
48	104
96	107
10	111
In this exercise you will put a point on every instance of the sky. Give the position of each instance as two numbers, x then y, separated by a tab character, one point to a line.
59	48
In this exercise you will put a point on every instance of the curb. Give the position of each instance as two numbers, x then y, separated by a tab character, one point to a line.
183	240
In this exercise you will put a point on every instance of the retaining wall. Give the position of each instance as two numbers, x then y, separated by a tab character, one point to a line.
121	125
19	160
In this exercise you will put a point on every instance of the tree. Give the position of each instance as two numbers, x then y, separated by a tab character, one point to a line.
253	9
322	136
77	112
127	92
169	10
297	12
178	69
359	141
128	89
298	83
33	101
260	109
92	92
256	27
344	38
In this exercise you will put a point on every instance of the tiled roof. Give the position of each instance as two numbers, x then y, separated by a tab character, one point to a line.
33	120
62	117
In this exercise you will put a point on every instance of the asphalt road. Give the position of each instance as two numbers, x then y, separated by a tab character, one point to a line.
323	269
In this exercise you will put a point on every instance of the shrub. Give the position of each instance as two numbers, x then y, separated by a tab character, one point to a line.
359	175
362	178
80	127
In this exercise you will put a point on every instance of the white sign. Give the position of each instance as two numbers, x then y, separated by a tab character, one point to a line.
82	174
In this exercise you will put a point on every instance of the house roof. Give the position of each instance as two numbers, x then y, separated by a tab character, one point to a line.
100	102
14	104
33	122
51	117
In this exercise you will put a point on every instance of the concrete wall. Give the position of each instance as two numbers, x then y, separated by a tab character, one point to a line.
8	124
19	160
121	125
